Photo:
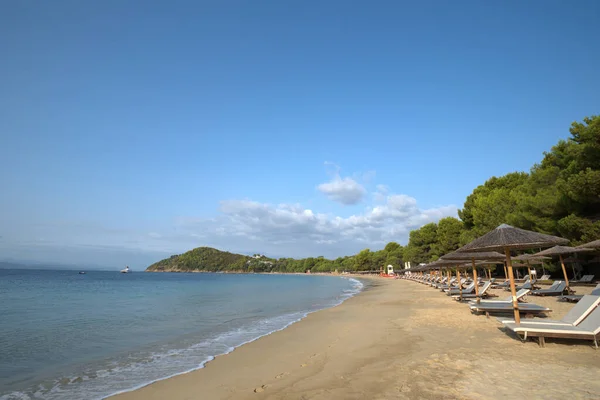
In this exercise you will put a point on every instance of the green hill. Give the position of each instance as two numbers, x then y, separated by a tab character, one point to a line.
207	259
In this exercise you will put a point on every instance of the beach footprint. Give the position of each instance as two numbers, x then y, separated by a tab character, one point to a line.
282	375
260	389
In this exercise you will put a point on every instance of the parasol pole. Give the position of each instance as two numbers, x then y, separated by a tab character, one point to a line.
475	279
562	263
513	291
458	281
529	271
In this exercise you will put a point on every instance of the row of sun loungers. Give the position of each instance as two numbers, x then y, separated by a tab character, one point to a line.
581	322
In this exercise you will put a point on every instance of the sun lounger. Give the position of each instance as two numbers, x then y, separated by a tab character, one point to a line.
502	285
445	287
557	289
526	285
497	308
588	329
585	279
455	291
507	300
574	298
482	292
545	277
577	314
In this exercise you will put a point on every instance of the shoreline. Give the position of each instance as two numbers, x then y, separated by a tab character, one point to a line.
365	284
395	339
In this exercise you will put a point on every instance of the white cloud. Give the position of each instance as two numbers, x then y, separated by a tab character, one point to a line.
291	230
346	191
343	190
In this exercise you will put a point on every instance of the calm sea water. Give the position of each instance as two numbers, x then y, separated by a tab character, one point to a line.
70	336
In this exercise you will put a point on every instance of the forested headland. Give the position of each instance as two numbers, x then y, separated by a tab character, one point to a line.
560	195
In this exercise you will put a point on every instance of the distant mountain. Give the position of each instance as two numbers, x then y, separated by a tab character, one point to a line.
207	259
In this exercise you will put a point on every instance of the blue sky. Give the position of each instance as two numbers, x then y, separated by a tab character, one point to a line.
130	130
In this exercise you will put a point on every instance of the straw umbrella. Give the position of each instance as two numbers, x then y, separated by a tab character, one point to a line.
560	251
484	255
505	238
591	245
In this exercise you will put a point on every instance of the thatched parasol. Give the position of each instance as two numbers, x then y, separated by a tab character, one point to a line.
505	238
591	245
487	255
560	251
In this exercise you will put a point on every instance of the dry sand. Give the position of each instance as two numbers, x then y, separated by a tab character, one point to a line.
396	340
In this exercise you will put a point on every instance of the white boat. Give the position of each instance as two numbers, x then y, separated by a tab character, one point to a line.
126	270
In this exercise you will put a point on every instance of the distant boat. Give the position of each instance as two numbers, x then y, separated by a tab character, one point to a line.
125	271
81	272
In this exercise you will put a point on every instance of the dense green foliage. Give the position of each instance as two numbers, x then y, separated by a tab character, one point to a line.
559	196
206	259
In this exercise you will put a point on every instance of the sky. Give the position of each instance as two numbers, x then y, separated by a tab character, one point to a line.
132	130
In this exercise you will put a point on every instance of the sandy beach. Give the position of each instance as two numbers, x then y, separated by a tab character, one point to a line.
396	340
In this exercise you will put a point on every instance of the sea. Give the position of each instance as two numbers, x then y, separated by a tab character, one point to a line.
65	335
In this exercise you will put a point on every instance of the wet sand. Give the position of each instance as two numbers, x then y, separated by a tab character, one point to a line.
396	340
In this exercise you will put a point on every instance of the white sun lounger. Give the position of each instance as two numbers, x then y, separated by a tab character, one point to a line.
507	300
589	329
574	317
482	292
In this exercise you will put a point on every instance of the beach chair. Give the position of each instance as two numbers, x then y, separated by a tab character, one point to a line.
482	293
574	298
577	314
585	279
452	284
545	277
504	308
505	284
557	289
455	291
444	284
439	281
588	329
507	300
527	285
